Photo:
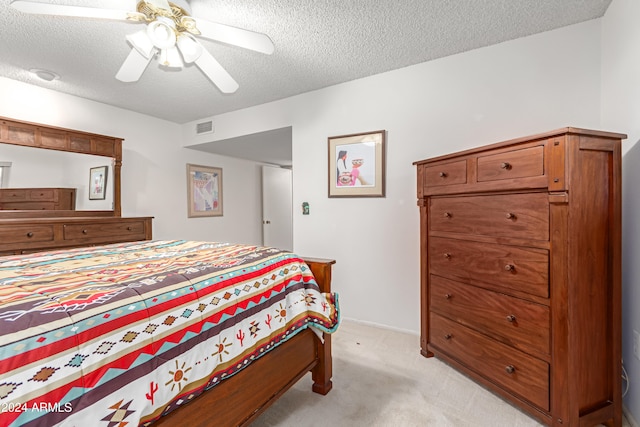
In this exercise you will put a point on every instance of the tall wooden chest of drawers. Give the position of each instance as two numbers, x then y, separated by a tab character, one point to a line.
521	271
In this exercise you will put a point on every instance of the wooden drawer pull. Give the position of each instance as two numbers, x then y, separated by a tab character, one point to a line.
511	216
505	165
442	174
510	369
511	318
448	337
510	267
129	228
447	296
447	214
447	255
85	231
30	234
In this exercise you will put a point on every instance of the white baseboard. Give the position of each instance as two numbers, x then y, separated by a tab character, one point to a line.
379	325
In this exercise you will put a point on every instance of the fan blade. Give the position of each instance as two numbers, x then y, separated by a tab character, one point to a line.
235	36
76	11
189	47
214	71
133	67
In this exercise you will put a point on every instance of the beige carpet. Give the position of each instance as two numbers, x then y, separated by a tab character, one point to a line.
380	379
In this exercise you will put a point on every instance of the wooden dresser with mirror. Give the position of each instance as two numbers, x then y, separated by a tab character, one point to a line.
30	228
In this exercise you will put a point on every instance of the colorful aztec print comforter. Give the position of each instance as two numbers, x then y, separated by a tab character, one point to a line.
121	334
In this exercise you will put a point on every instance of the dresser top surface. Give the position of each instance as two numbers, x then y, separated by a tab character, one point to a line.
540	136
69	219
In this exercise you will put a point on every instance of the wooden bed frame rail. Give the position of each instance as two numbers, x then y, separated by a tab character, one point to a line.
240	399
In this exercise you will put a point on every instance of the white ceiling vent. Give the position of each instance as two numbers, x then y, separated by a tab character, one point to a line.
204	127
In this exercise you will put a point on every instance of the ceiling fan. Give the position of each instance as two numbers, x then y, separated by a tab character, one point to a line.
170	35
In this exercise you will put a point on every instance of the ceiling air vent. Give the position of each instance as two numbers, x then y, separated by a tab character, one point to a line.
204	127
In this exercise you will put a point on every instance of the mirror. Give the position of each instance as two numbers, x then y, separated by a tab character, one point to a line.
50	157
37	168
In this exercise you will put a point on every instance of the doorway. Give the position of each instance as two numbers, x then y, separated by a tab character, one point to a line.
277	207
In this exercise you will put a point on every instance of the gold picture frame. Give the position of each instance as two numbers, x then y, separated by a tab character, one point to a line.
357	165
204	191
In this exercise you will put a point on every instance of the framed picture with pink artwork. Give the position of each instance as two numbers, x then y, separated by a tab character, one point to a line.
98	182
357	165
204	187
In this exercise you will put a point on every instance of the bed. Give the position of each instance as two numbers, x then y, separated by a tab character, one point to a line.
160	333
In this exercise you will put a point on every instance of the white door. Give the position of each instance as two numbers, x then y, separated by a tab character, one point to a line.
277	207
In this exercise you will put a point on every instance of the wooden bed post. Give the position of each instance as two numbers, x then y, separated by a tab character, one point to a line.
321	374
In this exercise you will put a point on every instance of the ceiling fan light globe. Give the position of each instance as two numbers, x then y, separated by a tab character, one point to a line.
171	58
141	42
161	34
189	48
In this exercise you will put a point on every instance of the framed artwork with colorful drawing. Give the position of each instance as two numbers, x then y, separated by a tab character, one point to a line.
357	165
98	182
204	190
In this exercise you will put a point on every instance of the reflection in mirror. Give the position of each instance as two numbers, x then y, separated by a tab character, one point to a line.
4	173
36	168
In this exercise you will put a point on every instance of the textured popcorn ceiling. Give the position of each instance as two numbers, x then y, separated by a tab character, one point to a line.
318	43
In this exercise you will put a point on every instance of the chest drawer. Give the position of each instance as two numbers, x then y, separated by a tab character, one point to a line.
513	370
122	229
510	215
31	206
446	174
510	267
526	162
26	234
42	194
16	195
513	321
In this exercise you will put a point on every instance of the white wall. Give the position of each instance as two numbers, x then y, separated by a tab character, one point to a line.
621	111
154	164
34	167
526	86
